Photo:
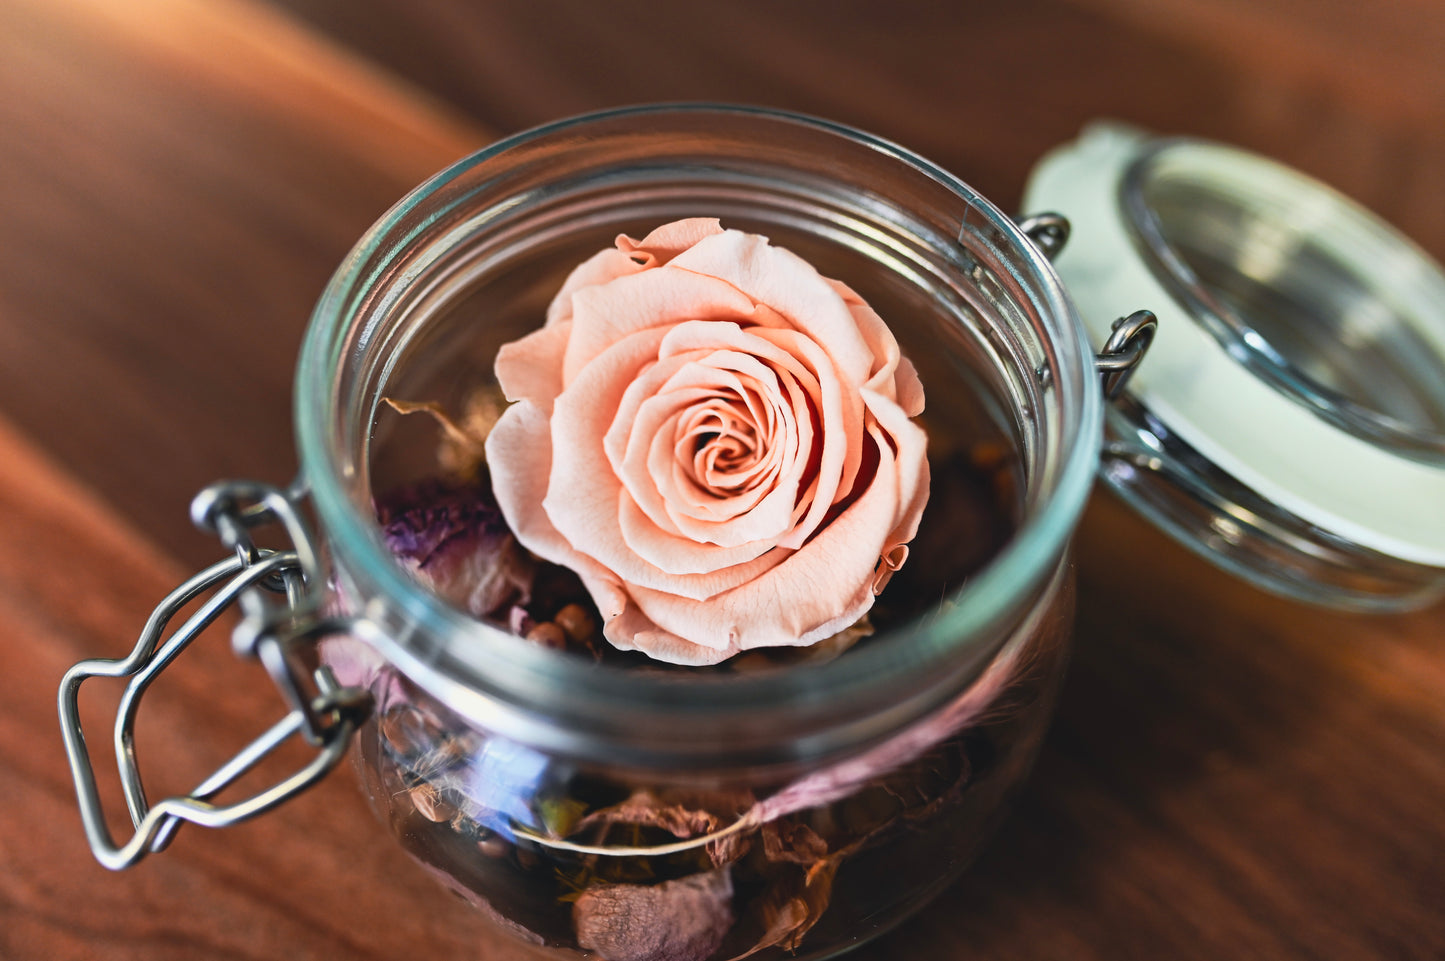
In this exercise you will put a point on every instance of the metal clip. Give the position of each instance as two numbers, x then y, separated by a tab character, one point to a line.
1048	231
1124	349
269	630
273	621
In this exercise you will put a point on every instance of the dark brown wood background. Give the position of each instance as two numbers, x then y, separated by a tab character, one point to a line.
1230	775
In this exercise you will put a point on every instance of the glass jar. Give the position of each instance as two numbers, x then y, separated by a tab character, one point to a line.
635	813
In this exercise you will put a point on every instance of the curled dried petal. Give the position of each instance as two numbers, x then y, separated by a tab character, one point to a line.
681	920
791	841
461	453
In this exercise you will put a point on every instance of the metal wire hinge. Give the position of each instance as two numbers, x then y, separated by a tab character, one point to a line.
1124	349
280	594
1131	335
1048	231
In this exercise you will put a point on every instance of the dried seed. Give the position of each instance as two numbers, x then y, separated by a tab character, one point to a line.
548	634
577	622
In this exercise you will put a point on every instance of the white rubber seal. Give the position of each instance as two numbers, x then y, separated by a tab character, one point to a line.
1265	439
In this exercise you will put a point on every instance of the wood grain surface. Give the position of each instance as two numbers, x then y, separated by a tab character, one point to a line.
1230	775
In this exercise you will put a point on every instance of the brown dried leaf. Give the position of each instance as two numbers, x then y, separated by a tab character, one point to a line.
783	922
683	814
681	920
729	848
792	904
817	893
726	803
462	450
646	810
791	841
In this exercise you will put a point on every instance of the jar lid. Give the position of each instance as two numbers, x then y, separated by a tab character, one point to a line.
1289	420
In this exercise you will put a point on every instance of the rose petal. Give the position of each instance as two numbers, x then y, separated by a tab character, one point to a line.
908	388
911	463
840	452
519	451
632	630
601	316
531	368
789	285
601	267
669	240
720	441
771	515
641	450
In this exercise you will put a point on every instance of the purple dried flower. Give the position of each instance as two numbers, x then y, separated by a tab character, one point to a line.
455	542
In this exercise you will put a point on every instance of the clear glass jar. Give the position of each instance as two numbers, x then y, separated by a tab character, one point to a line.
790	811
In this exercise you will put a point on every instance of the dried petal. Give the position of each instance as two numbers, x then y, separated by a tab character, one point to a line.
729	848
455	542
646	810
429	804
682	920
519	622
684	815
461	452
355	663
792	841
792	904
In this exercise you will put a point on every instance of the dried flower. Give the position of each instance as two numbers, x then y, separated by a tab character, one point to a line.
717	439
454	541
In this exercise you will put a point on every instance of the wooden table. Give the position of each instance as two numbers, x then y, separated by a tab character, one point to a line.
1230	775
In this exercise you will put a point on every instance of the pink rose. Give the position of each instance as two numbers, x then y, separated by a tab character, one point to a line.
717	439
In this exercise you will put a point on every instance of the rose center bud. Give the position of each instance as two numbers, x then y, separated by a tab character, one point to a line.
725	446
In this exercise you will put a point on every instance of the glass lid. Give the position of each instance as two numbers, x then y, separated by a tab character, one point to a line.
1289	422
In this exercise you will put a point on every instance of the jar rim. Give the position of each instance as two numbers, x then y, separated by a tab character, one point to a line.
598	695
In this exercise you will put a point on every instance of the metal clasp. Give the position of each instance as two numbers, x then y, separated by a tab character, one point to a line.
1124	349
281	595
1048	231
1131	335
